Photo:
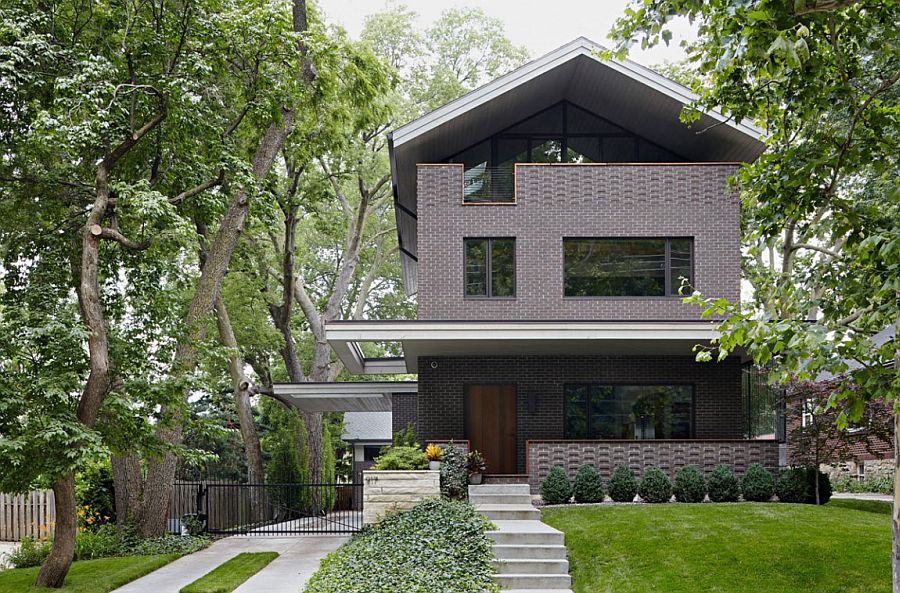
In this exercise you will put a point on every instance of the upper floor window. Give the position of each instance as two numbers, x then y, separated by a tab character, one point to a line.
490	267
628	411
561	133
626	267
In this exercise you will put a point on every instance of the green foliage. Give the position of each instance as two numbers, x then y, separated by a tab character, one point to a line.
88	576
655	485
588	485
454	473
813	473
758	484
94	489
285	440
791	485
879	485
881	507
406	437
229	575
30	552
622	484
438	545
329	494
101	542
723	485
555	487
689	485
401	458
475	463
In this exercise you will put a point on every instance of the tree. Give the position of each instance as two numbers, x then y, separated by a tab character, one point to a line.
821	206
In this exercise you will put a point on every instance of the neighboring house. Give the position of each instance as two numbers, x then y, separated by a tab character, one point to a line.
546	222
366	433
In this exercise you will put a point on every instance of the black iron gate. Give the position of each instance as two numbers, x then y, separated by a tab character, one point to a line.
271	509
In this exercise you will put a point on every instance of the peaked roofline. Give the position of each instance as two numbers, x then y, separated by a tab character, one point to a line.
581	46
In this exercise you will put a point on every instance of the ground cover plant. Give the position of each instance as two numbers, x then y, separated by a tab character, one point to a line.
676	548
438	545
229	575
88	576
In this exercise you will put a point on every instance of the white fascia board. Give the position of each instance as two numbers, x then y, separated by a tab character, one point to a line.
337	388
521	75
388	331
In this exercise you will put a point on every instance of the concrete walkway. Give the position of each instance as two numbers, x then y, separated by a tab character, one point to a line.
864	496
298	559
6	548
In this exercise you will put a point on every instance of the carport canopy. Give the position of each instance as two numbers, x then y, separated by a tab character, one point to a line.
356	396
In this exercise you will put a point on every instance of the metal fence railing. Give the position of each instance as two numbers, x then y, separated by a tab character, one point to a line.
483	184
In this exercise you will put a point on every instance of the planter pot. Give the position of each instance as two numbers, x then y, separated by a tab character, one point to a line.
435	465
475	479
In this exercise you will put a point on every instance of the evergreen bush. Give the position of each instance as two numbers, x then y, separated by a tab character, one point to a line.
454	473
690	485
655	486
622	484
588	485
329	493
758	484
556	488
810	474
723	485
401	458
791	485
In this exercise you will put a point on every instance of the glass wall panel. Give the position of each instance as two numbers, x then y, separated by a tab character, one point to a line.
476	267
549	121
636	412
503	267
680	264
618	149
579	121
583	149
546	150
490	267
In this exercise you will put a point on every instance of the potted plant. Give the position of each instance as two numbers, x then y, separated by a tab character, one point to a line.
476	467
434	454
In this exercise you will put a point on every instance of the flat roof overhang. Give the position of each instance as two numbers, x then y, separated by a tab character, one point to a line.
356	396
505	338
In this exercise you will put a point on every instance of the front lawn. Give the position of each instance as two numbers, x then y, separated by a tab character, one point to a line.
228	576
88	576
725	548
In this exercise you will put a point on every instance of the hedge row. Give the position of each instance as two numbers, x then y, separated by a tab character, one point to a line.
796	485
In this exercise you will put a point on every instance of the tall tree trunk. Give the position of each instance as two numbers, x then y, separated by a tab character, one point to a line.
249	436
56	566
127	485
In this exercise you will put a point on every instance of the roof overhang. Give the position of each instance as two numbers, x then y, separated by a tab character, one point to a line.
509	338
357	396
628	94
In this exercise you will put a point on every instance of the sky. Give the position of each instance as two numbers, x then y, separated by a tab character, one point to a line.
538	25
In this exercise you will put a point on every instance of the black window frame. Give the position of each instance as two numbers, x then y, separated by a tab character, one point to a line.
489	269
670	291
589	415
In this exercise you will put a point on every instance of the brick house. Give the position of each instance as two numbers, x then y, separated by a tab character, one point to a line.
546	223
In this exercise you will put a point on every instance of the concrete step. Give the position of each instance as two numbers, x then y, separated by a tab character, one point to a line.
525	533
500	489
509	512
478	499
525	552
531	566
533	581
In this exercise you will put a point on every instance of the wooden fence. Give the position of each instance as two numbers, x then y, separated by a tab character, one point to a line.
26	515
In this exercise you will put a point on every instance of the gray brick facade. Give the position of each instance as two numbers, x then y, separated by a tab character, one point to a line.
404	407
540	382
557	201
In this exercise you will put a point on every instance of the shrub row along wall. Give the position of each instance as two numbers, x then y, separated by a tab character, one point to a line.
385	491
670	456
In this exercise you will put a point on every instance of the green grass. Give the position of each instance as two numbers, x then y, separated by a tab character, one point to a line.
869	506
725	548
229	575
88	576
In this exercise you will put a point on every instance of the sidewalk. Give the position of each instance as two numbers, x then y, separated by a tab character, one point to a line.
863	496
298	558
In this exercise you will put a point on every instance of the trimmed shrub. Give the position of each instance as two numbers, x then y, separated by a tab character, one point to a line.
824	486
723	485
328	494
556	488
438	545
655	486
690	485
588	485
622	484
401	458
791	486
454	473
758	484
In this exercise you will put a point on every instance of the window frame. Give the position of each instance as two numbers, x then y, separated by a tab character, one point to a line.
668	288
588	423
489	269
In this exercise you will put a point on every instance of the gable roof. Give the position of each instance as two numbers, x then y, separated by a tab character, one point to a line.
630	95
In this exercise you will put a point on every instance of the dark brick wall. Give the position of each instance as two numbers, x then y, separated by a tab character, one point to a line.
553	202
604	456
405	410
540	379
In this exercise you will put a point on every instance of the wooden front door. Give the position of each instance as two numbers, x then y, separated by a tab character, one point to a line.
491	425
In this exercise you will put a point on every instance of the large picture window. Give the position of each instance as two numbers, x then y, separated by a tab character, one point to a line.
490	268
636	412
626	267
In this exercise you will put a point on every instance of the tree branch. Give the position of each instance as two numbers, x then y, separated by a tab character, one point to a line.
114	235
